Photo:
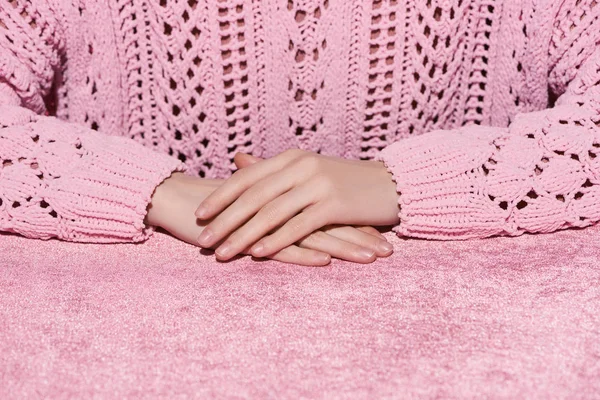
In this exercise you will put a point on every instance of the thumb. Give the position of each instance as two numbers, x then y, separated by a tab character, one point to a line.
243	160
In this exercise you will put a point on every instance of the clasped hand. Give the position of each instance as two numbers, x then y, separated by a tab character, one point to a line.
274	203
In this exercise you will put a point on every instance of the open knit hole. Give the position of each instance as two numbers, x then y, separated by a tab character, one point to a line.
534	197
185	74
308	51
382	61
300	16
426	79
474	111
235	65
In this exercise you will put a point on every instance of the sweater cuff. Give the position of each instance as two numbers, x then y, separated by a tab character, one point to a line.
440	179
105	197
78	185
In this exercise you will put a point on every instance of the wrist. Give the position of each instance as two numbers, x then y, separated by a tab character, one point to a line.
390	191
160	199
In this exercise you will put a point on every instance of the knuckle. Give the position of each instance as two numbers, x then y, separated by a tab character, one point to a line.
308	163
293	153
324	183
270	213
296	226
251	197
314	238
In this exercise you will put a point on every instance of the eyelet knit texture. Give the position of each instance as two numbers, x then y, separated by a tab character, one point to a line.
101	101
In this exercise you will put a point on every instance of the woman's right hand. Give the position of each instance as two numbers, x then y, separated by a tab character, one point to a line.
176	199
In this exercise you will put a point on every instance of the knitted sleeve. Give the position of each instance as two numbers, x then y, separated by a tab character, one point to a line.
540	174
58	179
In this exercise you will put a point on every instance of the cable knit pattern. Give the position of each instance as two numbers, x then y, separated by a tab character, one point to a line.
60	180
538	175
453	96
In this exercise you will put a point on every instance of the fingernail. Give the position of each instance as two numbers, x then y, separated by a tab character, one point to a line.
201	212
386	247
257	249
205	237
325	259
367	253
224	250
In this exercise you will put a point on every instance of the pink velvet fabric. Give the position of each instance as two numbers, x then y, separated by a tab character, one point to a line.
495	318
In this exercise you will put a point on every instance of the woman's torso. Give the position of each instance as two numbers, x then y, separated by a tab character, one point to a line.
202	80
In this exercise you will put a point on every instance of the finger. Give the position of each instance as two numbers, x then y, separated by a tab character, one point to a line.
308	221
269	217
338	248
358	237
294	254
307	257
243	160
372	231
254	200
239	182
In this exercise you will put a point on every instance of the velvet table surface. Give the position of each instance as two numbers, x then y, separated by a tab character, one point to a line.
495	318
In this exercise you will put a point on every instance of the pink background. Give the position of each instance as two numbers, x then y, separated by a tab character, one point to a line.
500	318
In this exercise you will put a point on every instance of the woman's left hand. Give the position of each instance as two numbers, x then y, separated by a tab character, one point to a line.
300	190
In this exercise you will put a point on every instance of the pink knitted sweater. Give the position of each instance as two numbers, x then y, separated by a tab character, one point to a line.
487	112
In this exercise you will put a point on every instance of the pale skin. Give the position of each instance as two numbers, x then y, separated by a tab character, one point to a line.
297	192
175	201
